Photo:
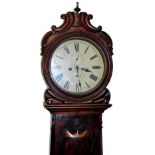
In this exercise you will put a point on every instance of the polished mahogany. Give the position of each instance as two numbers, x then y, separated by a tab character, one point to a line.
76	121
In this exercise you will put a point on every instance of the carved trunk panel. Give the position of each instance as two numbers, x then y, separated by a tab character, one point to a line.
76	133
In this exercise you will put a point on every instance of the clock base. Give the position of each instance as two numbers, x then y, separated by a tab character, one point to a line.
76	133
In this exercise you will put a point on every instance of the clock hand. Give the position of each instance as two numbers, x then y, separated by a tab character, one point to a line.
76	59
77	69
85	69
80	84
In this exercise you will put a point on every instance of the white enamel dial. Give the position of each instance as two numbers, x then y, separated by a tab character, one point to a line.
77	66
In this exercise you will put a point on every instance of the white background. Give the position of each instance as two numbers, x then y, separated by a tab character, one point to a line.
129	126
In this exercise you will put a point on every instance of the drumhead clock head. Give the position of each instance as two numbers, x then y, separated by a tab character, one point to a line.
77	58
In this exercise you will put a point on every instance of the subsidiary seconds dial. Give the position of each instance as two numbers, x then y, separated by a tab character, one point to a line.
76	66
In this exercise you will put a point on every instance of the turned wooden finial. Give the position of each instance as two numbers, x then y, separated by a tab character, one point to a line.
77	9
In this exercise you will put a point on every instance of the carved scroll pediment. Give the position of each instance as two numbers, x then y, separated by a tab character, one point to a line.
74	22
72	19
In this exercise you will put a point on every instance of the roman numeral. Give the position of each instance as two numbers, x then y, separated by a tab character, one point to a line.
76	45
66	49
87	84
70	69
58	77
93	57
86	50
93	77
57	67
66	86
59	57
96	67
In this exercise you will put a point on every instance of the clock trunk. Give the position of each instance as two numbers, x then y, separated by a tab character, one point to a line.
76	133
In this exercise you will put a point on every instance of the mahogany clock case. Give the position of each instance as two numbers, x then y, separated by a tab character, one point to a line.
76	25
76	120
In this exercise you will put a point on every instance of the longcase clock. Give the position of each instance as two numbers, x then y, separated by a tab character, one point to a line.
77	67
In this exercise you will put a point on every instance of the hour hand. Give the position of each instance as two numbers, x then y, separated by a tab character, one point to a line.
86	70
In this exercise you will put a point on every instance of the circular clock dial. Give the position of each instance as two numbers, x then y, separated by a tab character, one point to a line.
77	66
